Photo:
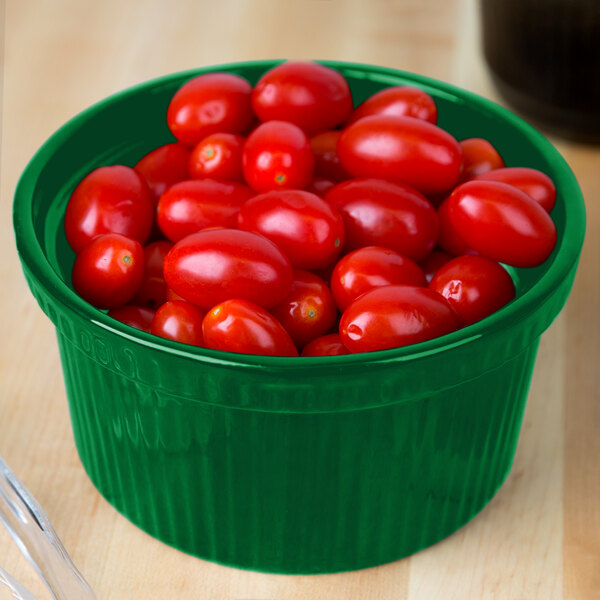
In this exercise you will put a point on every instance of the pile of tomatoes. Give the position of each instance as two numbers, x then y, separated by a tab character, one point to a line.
283	220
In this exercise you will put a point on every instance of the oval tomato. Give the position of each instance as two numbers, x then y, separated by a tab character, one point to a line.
449	239
326	345
210	103
139	317
502	223
109	200
395	315
218	156
479	156
401	149
474	286
397	101
241	326
209	267
327	162
163	167
153	289
179	321
305	227
310	95
193	205
383	213
277	155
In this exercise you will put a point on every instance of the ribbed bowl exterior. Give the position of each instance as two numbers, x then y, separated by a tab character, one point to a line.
291	465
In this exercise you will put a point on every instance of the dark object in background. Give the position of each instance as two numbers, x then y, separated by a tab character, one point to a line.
544	56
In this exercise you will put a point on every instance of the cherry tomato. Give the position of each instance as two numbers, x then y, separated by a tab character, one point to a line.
153	289
309	230
210	103
383	213
241	326
171	295
531	181
502	223
277	155
189	206
308	311
139	317
402	149
310	95
370	267
449	239
474	286
218	156
479	156
397	101
109	200
393	316
432	264
179	321
163	167
209	267
320	186
109	270
326	345
327	162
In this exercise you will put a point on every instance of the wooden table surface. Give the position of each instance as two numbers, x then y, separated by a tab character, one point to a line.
539	538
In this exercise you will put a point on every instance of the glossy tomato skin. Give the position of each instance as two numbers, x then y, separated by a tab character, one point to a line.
327	162
479	157
395	315
312	96
320	186
277	155
502	223
210	103
402	149
432	264
209	267
109	200
308	311
241	326
139	317
179	321
109	270
370	267
531	181
163	167
449	239
397	101
326	345
190	206
153	289
309	230
474	286
383	213
218	156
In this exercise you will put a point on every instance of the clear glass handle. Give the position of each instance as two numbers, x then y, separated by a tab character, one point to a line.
13	589
37	540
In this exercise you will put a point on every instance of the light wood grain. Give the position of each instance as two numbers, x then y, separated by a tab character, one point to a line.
540	536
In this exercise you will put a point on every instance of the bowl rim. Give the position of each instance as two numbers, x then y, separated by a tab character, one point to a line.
564	256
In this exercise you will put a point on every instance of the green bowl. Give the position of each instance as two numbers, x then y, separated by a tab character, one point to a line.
291	465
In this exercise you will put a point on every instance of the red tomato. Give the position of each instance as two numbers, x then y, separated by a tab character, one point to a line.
109	270
277	155
448	238
310	95
308	311
241	326
218	156
210	103
433	263
502	223
402	149
393	316
327	162
171	295
326	345
479	156
189	206
163	167
383	213
153	289
305	227
179	321
397	101
370	267
531	181
320	186
109	200
139	317
474	286
212	266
